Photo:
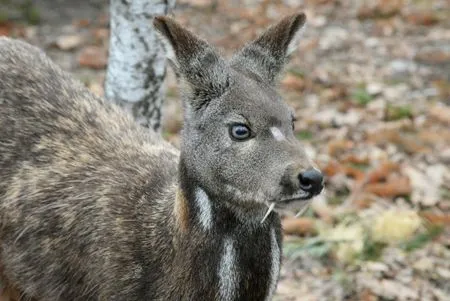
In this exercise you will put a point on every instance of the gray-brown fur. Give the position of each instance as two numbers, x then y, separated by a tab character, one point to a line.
94	207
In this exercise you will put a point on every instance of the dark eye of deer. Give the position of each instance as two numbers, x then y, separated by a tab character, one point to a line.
240	132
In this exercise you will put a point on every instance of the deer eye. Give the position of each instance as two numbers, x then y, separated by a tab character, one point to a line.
240	132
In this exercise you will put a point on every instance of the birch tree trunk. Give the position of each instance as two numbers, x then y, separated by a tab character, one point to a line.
136	63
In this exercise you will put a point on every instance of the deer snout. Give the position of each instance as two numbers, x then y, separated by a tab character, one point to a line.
311	181
296	180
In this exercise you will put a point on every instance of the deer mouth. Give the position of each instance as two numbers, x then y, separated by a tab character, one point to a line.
300	196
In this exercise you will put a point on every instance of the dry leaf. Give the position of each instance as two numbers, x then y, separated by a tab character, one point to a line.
426	18
437	219
382	172
441	113
69	42
5	28
298	226
293	82
93	57
395	226
398	187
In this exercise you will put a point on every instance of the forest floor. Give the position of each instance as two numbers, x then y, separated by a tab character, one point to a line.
370	84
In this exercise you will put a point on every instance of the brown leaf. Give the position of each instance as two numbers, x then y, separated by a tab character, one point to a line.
81	23
426	18
355	159
298	226
441	113
437	219
367	295
339	145
382	172
398	187
408	142
363	200
93	57
101	34
293	82
69	42
332	168
434	56
380	9
354	172
5	28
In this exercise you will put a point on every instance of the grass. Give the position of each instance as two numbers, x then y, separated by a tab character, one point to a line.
398	112
304	135
421	239
30	12
314	247
372	250
297	71
361	96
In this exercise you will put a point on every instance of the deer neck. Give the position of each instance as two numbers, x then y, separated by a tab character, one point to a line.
222	256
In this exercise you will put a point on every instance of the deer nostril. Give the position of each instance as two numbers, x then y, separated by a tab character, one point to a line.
311	181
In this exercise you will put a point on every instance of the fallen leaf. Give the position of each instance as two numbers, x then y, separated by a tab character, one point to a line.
363	200
382	172
434	56
69	42
426	183
380	8
293	82
93	57
426	18
440	113
96	88
367	295
81	23
101	34
5	28
298	226
395	226
332	168
399	187
354	173
338	146
437	219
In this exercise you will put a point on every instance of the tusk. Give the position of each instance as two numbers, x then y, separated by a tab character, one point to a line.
303	210
272	205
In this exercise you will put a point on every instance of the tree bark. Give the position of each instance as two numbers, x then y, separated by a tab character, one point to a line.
136	63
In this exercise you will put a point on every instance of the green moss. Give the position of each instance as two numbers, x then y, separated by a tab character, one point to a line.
304	135
30	12
398	112
361	96
372	250
314	247
297	71
422	239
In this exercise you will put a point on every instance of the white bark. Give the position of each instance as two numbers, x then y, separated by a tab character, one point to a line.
136	64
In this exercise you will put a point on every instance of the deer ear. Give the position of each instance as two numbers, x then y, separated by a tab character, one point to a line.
205	71
266	55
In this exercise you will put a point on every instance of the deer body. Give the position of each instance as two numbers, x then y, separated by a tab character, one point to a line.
94	207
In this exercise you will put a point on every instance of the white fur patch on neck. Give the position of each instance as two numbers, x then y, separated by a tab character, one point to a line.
275	267
277	134
228	272
204	206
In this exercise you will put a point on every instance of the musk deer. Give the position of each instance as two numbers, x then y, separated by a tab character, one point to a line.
94	207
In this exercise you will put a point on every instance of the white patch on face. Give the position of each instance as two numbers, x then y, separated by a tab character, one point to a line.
277	134
204	206
275	267
228	272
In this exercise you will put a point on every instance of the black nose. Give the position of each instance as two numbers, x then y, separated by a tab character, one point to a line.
311	181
